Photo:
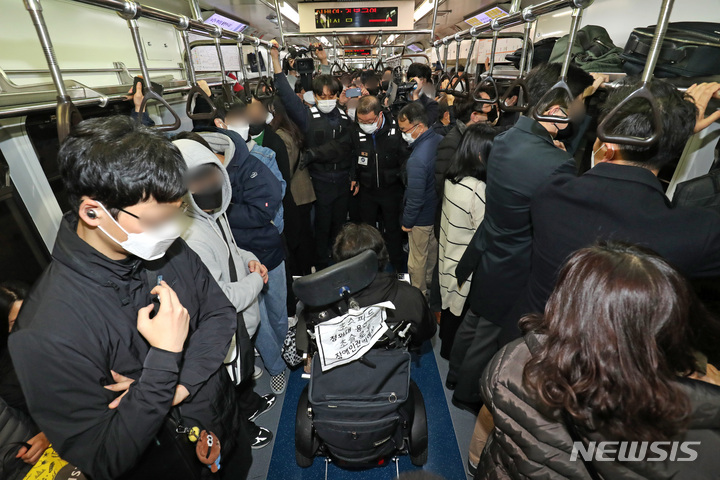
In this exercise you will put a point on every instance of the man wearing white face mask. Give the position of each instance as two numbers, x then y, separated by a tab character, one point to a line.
420	197
127	322
379	153
328	152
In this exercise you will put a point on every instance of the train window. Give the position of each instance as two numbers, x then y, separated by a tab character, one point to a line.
23	255
42	131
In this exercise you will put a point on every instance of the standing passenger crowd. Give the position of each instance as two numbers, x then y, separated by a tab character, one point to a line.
566	297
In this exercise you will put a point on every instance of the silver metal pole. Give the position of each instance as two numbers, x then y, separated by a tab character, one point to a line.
660	30
576	18
35	10
135	32
195	10
280	20
434	20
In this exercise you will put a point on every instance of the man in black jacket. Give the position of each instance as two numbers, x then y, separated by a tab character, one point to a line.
101	350
380	154
570	213
499	254
328	152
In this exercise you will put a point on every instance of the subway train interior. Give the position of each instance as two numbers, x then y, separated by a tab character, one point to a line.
415	239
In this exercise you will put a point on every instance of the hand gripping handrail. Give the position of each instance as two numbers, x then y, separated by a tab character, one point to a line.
642	92
264	88
246	95
131	16
195	91
562	85
488	80
522	103
67	114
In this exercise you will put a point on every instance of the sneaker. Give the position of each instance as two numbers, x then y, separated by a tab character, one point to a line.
263	437
268	402
257	373
278	383
471	469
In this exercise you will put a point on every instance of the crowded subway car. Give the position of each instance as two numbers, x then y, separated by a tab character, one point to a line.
412	239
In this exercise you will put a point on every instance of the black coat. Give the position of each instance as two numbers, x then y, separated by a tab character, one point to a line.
378	158
614	202
80	322
530	440
498	256
410	304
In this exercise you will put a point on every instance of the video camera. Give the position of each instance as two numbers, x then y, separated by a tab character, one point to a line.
401	98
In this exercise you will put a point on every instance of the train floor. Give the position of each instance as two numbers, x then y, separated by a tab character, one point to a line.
449	429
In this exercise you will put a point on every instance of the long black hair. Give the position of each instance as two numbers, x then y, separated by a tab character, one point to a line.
10	292
282	120
472	154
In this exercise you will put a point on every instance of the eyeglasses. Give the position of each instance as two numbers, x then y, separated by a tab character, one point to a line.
151	224
372	122
411	130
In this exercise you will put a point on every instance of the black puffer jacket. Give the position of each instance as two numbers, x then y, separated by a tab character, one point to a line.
79	323
530	441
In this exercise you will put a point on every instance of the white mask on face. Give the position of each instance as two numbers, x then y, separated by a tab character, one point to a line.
326	106
149	245
241	128
592	159
370	128
407	136
351	113
269	118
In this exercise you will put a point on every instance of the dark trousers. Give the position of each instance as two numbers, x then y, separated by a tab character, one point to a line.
300	240
386	203
476	342
449	325
331	209
236	466
248	400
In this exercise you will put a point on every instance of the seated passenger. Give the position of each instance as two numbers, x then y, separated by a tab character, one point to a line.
238	272
17	428
410	303
99	375
609	361
569	212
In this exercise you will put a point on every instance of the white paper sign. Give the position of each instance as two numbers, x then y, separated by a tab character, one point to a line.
344	339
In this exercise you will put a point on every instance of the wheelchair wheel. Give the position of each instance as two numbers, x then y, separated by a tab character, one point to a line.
418	429
306	443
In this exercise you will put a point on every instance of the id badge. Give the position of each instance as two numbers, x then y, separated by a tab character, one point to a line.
362	160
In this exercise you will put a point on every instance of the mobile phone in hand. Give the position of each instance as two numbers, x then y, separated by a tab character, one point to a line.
353	92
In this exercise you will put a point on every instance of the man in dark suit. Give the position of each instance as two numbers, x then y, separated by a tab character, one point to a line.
621	199
499	254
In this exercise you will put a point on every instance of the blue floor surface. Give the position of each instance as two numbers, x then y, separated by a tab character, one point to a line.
444	456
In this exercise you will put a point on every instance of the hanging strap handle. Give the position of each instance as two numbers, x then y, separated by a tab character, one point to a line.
642	92
489	81
264	88
195	91
561	86
227	91
150	94
246	96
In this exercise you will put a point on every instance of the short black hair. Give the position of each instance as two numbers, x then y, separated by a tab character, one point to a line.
356	238
388	69
464	108
367	75
414	113
542	78
10	292
443	106
476	141
635	119
419	70
224	108
321	81
120	163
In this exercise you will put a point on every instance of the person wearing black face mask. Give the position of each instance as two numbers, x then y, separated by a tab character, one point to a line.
238	272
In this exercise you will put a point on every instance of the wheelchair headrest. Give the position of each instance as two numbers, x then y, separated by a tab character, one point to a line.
328	286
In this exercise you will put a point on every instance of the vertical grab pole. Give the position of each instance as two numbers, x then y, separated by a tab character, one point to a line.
67	114
434	22
280	25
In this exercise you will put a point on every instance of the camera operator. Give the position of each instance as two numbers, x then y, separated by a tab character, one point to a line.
328	148
424	93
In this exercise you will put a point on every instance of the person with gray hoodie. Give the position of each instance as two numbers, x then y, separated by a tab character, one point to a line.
238	272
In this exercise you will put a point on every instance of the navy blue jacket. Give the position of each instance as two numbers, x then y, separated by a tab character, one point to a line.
332	150
420	197
256	198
